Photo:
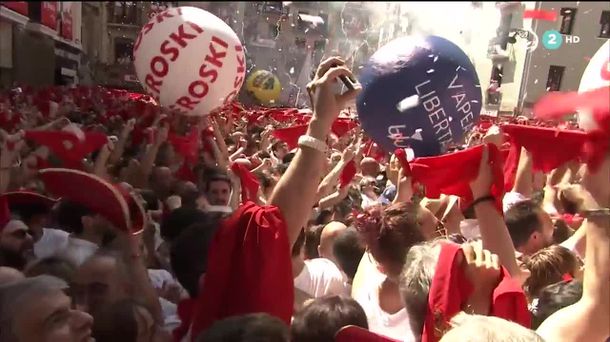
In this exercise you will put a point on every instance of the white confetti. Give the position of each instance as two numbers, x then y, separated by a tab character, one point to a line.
435	58
536	81
408	103
430	71
291	70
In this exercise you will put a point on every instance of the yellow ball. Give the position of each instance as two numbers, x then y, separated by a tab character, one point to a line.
264	85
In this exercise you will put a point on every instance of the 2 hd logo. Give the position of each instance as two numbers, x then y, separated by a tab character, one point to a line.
553	39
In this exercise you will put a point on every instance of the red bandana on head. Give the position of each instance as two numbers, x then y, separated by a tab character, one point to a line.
450	290
249	269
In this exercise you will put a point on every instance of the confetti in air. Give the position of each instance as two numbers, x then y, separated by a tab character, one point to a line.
408	103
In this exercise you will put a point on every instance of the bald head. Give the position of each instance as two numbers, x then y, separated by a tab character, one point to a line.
329	233
370	167
9	274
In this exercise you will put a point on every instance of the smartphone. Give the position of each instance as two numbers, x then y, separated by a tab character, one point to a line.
348	82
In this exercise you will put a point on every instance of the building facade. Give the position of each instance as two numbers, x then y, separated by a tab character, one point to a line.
584	27
40	42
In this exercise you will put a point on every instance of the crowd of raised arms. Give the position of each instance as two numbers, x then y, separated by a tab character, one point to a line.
120	221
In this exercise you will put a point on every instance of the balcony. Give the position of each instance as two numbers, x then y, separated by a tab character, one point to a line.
125	14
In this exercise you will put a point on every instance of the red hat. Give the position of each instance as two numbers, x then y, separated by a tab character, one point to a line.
450	289
67	146
550	148
452	173
249	182
111	201
597	103
352	333
244	263
347	174
24	198
290	135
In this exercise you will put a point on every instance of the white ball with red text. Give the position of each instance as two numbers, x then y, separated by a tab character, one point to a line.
189	60
596	75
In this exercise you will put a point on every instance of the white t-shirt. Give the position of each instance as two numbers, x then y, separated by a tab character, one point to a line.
395	325
367	201
51	243
321	277
77	251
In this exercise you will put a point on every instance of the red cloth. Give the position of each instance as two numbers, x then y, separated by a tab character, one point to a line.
597	102
249	269
187	146
373	150
404	163
343	125
452	173
450	290
290	135
249	182
550	148
67	146
347	174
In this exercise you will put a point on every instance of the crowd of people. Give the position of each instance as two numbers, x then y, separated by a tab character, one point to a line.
120	221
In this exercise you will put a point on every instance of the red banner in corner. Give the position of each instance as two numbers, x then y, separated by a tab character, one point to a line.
48	14
20	7
66	25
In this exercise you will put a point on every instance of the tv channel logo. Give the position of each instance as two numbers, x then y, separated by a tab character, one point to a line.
553	39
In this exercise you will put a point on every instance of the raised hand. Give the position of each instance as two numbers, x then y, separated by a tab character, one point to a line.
325	103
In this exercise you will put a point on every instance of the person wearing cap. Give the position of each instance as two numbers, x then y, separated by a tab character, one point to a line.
37	309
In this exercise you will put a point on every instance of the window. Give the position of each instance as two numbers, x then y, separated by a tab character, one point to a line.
496	75
604	22
123	50
124	12
567	20
272	7
553	82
